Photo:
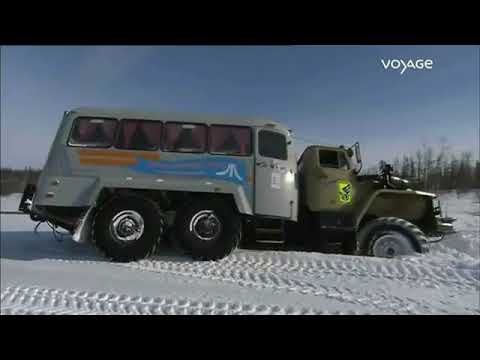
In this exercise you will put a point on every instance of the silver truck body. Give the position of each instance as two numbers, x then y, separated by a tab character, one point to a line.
74	176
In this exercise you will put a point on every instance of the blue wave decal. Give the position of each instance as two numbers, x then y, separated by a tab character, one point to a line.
233	170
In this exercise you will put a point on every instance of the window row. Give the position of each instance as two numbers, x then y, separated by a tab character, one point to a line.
134	134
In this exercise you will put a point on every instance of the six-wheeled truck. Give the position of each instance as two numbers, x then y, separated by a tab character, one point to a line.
128	180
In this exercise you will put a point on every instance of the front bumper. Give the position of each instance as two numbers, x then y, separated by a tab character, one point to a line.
444	226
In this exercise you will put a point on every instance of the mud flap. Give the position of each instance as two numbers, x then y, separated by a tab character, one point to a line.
82	232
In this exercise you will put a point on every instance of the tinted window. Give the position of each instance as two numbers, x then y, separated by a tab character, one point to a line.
139	135
93	132
232	140
333	159
185	137
272	145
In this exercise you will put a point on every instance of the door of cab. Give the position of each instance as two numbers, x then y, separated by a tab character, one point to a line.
275	188
335	189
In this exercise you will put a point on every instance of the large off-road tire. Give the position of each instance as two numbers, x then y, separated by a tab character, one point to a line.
128	228
208	229
390	237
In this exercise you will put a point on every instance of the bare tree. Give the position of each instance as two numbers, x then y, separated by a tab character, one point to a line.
476	176
465	171
419	164
396	166
427	165
411	162
437	168
404	171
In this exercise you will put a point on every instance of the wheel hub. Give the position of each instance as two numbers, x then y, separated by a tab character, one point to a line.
205	225
127	225
391	245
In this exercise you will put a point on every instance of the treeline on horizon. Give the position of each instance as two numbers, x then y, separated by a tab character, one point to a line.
430	169
437	169
14	180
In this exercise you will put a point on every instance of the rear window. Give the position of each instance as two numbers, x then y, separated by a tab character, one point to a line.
272	144
230	140
93	132
333	159
139	135
184	137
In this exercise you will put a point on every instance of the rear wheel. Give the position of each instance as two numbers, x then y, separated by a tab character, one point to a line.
208	229
390	237
128	228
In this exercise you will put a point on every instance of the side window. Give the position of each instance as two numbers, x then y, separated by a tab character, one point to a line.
272	144
184	137
93	132
333	159
139	135
231	140
342	161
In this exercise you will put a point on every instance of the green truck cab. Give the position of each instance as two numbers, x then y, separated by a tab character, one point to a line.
336	201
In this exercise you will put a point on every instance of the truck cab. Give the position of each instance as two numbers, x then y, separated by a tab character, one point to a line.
337	203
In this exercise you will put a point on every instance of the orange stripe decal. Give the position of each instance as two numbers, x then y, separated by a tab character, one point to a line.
116	154
89	160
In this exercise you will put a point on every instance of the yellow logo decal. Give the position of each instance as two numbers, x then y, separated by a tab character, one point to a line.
344	192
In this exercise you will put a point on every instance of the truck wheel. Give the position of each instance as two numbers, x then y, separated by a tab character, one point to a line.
208	229
128	228
389	237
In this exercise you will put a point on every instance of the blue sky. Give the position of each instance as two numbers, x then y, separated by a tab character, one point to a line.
328	94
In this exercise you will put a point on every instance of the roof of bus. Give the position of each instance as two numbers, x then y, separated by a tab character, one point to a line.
176	116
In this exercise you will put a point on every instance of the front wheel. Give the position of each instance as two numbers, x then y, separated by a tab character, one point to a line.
390	237
208	229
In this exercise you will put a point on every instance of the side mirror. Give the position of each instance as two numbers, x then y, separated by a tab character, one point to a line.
358	156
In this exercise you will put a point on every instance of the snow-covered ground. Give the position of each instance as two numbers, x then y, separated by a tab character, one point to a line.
42	276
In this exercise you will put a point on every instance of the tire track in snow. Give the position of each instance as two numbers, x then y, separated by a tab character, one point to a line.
35	300
280	271
373	301
394	269
372	268
276	276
